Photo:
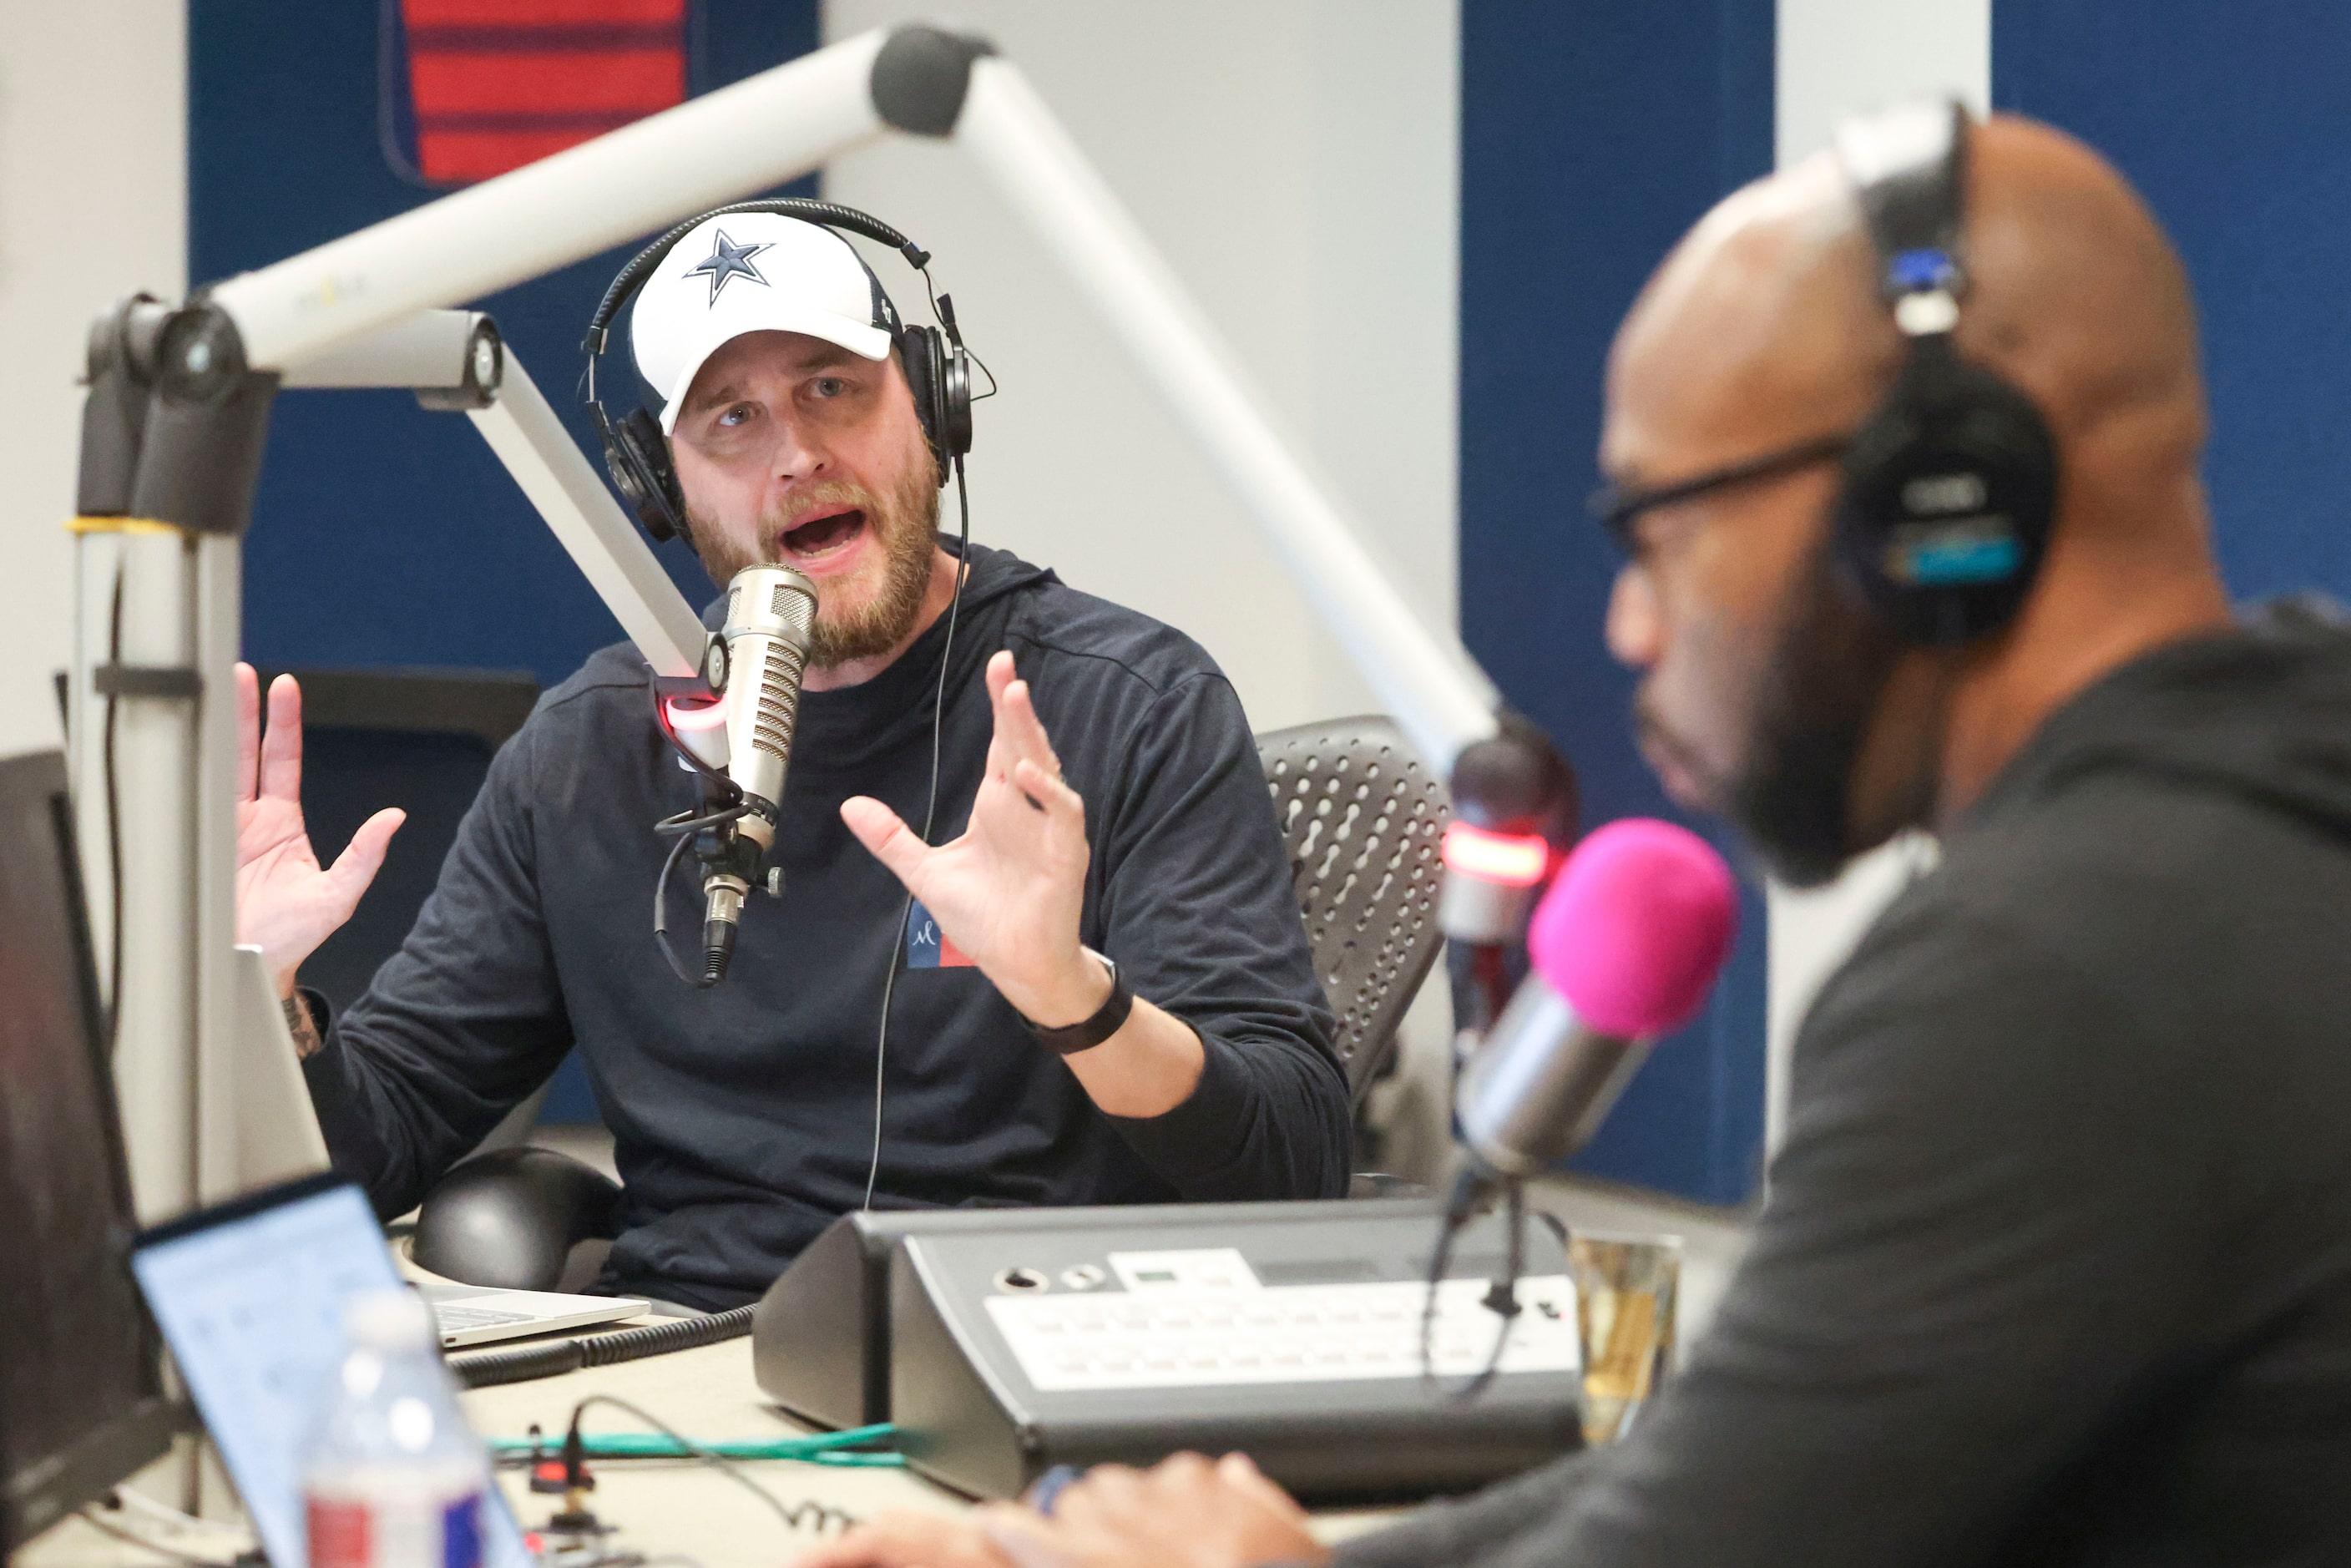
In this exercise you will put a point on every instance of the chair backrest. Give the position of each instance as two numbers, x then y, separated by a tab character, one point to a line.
1364	819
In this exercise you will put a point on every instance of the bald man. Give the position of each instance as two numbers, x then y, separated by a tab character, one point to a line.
2056	1262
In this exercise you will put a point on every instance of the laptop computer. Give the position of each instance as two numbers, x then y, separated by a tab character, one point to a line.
278	1140
250	1297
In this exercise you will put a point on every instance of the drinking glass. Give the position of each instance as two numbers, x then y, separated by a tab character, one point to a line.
1624	1291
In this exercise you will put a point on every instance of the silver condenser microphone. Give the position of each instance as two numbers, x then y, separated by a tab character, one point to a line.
770	616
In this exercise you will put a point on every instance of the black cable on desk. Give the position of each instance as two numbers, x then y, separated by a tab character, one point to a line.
795	1515
488	1368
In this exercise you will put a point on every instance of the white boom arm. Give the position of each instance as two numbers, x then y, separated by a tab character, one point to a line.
1426	681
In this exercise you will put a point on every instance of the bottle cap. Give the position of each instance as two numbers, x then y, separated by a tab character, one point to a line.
387	1321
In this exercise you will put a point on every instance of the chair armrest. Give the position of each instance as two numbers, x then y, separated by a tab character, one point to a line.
509	1218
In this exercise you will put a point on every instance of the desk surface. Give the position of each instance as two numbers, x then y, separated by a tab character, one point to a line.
659	1508
708	1394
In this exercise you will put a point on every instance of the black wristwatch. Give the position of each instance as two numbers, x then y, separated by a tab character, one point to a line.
1108	1019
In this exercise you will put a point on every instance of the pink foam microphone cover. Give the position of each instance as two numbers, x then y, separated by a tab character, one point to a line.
1637	926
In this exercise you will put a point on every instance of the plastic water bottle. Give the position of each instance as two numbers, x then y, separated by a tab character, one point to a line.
395	1477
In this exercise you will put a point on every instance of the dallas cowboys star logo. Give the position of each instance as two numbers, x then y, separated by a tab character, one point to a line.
729	260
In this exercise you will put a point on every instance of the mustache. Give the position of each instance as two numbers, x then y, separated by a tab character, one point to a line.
777	519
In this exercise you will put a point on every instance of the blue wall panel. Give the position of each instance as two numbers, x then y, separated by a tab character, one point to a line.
382	534
2232	121
1593	133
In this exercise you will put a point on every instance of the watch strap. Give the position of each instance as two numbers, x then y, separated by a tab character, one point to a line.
1107	1020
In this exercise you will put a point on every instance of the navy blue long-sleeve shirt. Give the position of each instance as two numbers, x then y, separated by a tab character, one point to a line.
743	1115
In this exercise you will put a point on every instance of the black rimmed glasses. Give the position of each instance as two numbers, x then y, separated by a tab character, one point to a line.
1619	507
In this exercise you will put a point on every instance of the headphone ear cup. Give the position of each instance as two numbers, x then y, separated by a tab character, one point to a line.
1949	492
919	354
637	456
955	400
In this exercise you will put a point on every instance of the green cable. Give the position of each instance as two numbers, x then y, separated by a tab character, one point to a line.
823	1448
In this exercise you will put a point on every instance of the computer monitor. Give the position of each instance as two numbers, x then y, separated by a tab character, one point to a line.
81	1395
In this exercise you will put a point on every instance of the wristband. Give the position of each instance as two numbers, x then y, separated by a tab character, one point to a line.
1108	1019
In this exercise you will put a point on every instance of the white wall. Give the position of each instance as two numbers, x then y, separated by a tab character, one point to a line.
1297	162
1836	57
93	203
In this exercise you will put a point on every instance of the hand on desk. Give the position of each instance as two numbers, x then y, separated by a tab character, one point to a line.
285	902
1186	1513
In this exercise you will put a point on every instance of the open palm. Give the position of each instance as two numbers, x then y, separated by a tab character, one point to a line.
1009	890
287	904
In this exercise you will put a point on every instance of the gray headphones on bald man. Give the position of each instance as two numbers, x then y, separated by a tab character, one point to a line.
767	269
1950	486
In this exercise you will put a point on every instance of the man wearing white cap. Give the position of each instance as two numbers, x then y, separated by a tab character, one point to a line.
712	297
1106	994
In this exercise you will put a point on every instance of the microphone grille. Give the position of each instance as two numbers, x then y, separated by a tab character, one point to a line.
794	606
779	697
1636	927
771	601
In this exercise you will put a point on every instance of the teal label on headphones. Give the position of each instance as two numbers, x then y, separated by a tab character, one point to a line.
1954	552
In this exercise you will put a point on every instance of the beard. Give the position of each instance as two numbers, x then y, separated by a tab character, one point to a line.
872	610
1822	685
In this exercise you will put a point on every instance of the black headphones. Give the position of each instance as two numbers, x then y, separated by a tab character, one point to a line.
938	368
1951	486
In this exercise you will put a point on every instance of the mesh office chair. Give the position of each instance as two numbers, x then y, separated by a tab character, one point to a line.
1363	819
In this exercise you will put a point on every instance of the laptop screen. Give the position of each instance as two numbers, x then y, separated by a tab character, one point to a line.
250	1297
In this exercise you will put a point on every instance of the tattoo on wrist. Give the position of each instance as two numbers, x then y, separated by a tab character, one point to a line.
307	1042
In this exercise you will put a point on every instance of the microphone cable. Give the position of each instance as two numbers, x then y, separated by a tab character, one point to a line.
1473	1190
682	829
723	804
109	729
930	813
552	1358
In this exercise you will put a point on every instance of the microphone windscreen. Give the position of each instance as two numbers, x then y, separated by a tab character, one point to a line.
1637	926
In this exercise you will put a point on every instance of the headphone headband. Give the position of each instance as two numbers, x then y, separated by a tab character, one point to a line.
1908	168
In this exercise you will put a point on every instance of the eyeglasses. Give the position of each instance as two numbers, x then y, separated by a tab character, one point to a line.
1618	508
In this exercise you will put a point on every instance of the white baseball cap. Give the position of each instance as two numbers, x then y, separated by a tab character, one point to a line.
752	272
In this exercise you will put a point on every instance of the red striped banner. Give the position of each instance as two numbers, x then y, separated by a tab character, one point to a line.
496	84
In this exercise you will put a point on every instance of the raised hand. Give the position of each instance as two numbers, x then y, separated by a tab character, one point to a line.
285	902
1009	891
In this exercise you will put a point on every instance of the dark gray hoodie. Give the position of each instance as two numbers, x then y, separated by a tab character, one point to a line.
744	1115
2055	1266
